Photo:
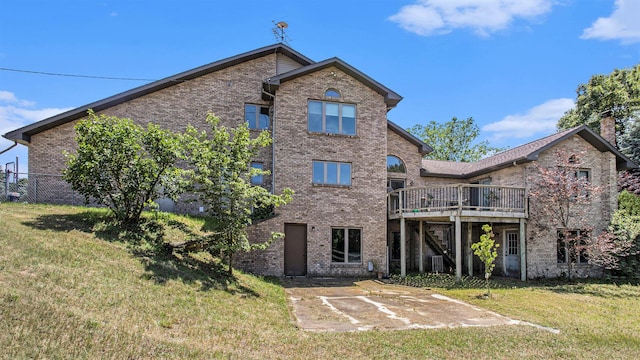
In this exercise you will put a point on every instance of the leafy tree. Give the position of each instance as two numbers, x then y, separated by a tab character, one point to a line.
485	249
630	140
630	145
629	203
221	179
560	198
630	181
625	230
454	140
617	94
123	165
617	247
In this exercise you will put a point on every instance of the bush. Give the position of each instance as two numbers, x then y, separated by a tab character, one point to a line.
122	165
629	202
626	227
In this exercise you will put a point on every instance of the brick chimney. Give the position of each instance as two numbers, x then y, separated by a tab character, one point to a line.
608	128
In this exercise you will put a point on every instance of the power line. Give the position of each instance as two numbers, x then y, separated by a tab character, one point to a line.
74	75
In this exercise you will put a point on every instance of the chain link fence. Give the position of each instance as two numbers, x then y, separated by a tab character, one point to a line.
52	189
37	188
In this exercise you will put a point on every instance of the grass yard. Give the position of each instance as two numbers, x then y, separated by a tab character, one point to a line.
70	288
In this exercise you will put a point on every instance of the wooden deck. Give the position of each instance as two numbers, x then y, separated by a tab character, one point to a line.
458	203
444	203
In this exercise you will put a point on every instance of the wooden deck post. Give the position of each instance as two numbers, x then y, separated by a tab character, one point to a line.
523	252
458	249
403	249
421	247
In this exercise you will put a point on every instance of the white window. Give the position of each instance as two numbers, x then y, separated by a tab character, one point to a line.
256	116
331	117
346	245
331	173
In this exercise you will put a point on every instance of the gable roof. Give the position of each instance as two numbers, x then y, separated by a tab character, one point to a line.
423	148
521	154
23	135
391	98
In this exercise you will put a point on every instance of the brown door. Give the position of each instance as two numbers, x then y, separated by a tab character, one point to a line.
295	249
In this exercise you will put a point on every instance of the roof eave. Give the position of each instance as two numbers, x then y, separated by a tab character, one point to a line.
23	134
597	141
425	173
423	148
391	98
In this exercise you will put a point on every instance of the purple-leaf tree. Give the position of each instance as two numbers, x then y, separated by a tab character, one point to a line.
560	199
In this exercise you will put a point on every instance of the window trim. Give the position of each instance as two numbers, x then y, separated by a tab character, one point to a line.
324	118
325	173
256	121
346	246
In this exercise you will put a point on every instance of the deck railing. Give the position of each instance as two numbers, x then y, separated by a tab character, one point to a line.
458	197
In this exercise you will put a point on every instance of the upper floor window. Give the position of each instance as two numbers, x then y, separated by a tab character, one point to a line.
332	93
583	174
394	164
257	179
256	116
331	173
332	118
584	178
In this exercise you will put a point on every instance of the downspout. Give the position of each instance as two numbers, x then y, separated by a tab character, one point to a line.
273	142
15	143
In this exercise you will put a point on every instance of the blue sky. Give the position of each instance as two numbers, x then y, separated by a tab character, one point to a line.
512	65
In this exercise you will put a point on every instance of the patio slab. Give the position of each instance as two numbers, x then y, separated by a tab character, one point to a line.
348	305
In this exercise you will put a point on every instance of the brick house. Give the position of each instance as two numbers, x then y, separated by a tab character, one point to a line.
447	203
363	193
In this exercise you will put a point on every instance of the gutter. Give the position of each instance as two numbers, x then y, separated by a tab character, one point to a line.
15	143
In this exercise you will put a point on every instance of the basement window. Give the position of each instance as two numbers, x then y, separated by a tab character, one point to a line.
346	245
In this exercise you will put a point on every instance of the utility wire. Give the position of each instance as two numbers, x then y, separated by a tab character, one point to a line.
73	75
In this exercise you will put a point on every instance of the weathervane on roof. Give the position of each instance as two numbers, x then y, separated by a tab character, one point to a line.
279	32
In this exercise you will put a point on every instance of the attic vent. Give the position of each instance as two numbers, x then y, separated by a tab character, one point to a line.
285	64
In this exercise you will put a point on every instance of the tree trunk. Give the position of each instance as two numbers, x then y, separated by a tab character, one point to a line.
187	246
230	253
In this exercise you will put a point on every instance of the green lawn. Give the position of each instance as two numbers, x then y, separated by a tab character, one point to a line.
69	288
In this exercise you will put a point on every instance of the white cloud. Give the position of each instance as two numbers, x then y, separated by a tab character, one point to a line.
622	25
433	17
538	121
10	98
113	14
16	113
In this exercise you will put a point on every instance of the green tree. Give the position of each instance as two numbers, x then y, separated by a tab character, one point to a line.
485	249
630	140
122	165
454	140
221	179
616	94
